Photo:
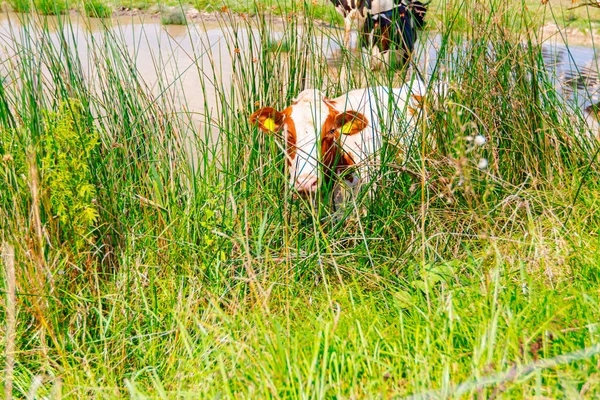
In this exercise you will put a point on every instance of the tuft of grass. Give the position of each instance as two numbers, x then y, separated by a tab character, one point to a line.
97	9
173	16
281	45
323	11
50	7
21	6
143	5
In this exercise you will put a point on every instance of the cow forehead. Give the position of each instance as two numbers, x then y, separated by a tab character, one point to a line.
309	118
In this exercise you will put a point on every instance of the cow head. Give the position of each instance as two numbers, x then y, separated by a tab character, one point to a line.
312	129
418	10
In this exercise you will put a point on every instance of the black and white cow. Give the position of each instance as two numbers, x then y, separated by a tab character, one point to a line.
387	24
350	9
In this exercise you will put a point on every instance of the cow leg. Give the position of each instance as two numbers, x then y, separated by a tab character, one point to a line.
344	73
370	44
386	57
408	45
377	58
345	59
346	194
343	197
347	29
366	42
407	35
354	14
382	45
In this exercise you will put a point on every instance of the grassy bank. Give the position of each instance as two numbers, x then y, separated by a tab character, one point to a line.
152	262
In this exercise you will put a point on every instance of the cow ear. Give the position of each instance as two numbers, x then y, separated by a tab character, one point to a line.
420	100
268	119
417	103
350	122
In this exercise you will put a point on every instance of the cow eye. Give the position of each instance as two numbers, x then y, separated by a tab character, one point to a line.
332	131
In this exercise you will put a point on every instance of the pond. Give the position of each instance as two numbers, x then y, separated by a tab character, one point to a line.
193	65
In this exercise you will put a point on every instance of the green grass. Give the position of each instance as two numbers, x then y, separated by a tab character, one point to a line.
522	14
44	7
569	14
321	10
50	7
146	272
22	6
173	16
518	15
97	9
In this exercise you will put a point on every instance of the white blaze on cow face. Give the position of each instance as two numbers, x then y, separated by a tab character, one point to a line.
309	112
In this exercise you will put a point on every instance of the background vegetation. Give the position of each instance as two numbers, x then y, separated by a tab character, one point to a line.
564	13
154	262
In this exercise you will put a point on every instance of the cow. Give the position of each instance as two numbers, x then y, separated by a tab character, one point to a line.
329	141
350	9
396	28
386	23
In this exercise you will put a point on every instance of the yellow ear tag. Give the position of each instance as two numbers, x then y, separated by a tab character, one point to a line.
269	123
347	128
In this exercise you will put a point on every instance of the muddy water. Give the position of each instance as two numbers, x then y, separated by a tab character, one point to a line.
172	60
192	65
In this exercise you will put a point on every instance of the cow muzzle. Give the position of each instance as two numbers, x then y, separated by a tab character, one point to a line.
306	184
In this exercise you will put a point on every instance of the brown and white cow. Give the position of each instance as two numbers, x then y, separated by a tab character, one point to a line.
340	133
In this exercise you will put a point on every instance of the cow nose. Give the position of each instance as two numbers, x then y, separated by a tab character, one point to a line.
306	184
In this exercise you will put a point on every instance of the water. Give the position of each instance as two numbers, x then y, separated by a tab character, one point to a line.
173	61
192	65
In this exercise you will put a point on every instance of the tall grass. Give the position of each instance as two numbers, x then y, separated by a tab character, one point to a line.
160	253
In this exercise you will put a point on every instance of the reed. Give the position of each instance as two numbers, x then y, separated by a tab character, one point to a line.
162	254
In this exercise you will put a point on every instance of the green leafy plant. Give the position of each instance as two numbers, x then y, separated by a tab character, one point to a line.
66	177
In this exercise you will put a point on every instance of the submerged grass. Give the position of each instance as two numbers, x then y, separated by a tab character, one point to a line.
159	252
